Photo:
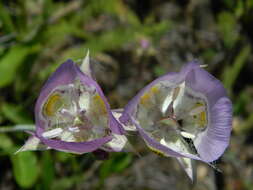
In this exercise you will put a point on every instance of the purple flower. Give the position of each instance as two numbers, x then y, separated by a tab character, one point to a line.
145	43
73	115
185	115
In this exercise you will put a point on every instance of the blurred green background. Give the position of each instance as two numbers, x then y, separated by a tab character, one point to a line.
131	43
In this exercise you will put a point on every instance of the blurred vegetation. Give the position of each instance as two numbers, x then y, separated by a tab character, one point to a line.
128	40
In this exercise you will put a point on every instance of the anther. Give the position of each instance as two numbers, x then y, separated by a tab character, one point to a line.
52	133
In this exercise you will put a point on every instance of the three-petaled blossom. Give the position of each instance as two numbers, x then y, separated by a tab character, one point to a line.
73	115
185	115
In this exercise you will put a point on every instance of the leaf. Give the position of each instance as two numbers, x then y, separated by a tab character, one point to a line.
106	169
249	4
10	62
6	20
25	169
239	9
7	147
122	162
245	126
242	100
48	170
63	157
67	182
228	28
232	72
158	70
15	113
6	142
116	164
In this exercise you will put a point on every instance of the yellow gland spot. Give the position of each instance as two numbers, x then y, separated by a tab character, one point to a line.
145	99
201	117
159	153
99	103
53	104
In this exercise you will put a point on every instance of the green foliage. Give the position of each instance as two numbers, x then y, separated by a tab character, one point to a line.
159	71
10	63
228	28
6	20
232	72
48	172
243	100
25	168
114	165
67	182
15	114
37	36
6	142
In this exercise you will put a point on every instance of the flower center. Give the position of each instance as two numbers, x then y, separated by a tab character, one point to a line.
172	115
75	113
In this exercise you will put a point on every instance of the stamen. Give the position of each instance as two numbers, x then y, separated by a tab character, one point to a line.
74	129
84	101
170	111
52	133
166	103
67	136
66	112
178	95
71	86
203	66
187	135
175	93
74	107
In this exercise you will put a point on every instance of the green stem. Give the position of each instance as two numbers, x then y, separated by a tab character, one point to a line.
15	128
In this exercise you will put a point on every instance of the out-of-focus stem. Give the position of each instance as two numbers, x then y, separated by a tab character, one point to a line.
15	128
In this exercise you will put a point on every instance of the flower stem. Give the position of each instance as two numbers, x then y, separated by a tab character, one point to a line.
15	128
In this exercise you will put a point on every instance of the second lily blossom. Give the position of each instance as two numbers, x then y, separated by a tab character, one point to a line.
185	115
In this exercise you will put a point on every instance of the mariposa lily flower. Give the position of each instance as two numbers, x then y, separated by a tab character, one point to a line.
73	115
185	115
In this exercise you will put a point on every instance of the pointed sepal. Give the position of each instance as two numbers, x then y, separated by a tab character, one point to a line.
85	66
33	143
117	143
189	167
117	114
